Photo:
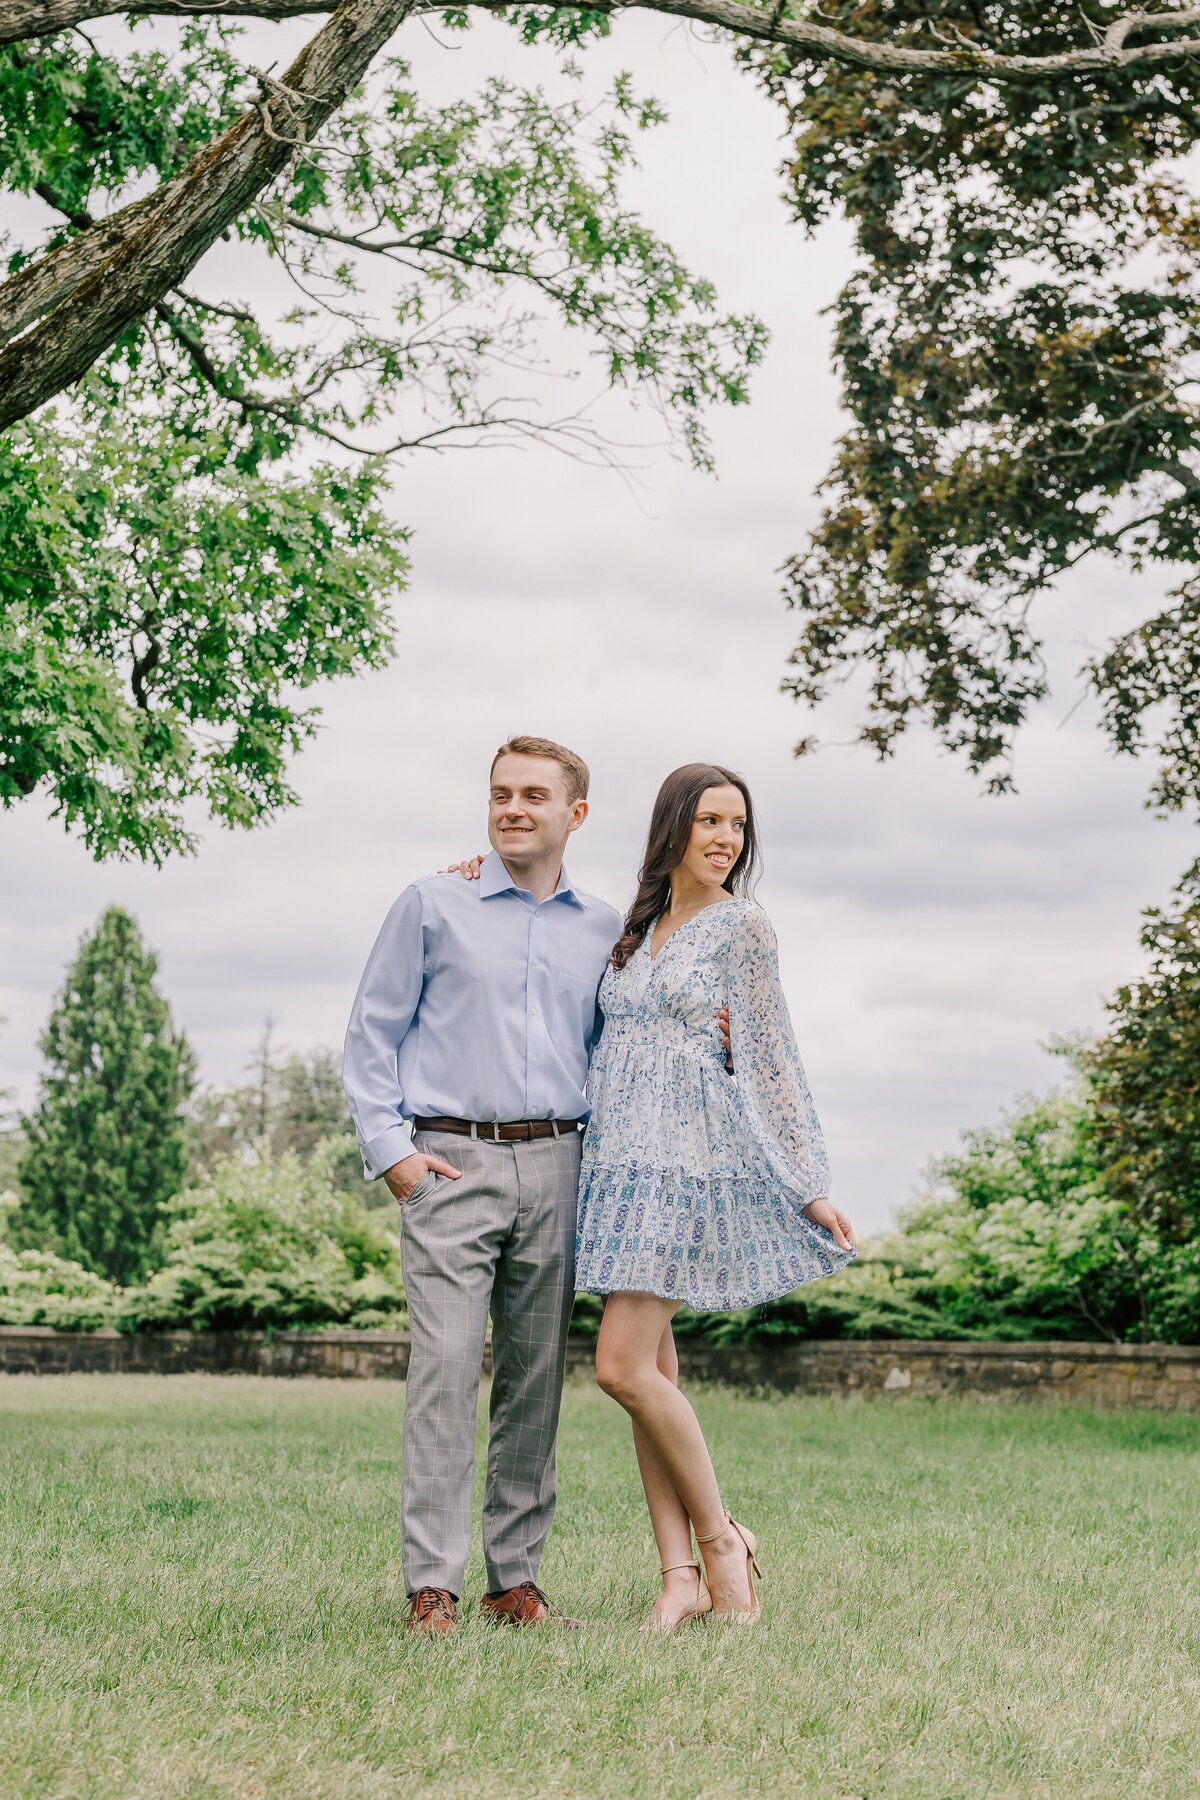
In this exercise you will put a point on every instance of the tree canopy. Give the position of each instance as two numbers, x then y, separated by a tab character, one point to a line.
192	490
1019	349
196	533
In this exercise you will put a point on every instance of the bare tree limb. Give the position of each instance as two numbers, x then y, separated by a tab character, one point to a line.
190	212
22	19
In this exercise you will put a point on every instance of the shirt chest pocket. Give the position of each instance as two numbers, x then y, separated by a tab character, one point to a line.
574	1018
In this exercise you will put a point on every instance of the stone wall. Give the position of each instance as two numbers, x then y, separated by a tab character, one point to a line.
1162	1376
36	1349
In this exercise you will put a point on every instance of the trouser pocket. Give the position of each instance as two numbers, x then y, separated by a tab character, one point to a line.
425	1186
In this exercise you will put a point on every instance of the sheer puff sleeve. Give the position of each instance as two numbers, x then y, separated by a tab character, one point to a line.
767	1068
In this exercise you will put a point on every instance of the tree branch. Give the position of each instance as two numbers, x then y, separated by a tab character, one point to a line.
145	665
44	284
191	211
426	243
289	410
41	18
22	19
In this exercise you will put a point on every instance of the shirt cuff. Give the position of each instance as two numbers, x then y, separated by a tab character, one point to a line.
385	1151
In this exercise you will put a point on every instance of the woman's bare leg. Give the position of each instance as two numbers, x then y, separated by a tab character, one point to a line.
668	1514
627	1367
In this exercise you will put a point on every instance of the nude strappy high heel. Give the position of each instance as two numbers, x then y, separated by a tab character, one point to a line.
741	1615
703	1599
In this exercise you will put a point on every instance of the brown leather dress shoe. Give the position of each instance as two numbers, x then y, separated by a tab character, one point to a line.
432	1610
525	1605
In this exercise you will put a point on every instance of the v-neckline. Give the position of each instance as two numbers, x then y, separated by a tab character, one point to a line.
649	937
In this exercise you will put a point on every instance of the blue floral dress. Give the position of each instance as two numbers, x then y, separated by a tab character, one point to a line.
694	1181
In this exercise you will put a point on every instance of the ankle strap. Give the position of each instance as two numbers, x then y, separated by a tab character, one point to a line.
669	1568
711	1536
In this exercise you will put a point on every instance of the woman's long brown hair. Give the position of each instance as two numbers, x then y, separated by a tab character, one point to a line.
667	841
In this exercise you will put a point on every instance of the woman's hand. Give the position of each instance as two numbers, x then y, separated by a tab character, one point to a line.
824	1212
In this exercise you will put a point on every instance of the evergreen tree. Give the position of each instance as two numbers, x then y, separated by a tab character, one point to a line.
107	1142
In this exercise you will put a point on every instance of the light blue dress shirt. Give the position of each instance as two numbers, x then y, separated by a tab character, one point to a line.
476	1003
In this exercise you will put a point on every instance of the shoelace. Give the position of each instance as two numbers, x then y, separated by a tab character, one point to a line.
531	1587
432	1600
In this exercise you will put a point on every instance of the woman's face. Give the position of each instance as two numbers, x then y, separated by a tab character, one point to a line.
718	836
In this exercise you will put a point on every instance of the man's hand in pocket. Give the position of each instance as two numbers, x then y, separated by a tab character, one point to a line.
403	1176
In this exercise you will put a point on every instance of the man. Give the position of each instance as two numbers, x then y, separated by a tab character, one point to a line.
474	1020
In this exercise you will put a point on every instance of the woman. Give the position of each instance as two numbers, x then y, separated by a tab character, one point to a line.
698	1184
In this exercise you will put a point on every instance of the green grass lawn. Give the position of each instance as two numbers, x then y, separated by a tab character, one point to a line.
202	1599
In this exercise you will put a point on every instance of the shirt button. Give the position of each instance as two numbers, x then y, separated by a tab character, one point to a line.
535	962
533	1114
535	1059
533	1010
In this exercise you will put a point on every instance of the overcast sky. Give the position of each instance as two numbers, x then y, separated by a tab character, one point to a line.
933	938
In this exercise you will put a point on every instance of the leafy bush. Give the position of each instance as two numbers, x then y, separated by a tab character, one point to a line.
38	1288
270	1243
1018	1237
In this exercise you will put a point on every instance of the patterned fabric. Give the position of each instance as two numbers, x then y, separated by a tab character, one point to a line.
694	1181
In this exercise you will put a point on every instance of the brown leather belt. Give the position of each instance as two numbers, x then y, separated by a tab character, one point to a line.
492	1133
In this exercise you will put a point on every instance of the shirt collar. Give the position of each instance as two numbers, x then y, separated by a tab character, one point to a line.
494	878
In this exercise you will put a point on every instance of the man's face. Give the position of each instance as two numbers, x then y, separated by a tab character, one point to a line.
529	814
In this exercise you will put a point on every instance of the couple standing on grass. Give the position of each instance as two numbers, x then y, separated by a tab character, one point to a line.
615	1108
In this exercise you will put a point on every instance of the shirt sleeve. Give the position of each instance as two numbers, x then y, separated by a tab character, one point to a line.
384	1009
767	1067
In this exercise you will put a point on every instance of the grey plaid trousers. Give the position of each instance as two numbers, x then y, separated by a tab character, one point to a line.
501	1239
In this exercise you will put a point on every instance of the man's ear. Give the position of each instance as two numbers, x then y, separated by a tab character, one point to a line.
578	815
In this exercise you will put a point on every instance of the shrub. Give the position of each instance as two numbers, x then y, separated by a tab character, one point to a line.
1018	1237
38	1288
269	1243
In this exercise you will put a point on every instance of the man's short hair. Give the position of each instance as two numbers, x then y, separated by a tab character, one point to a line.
575	770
